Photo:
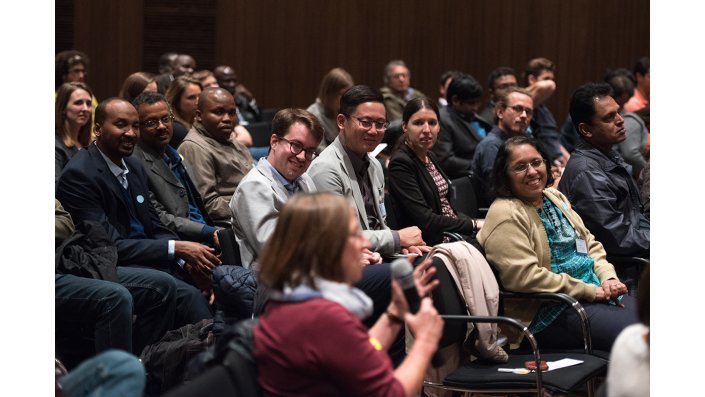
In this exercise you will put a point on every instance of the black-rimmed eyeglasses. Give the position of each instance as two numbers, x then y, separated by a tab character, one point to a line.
379	125
296	148
151	123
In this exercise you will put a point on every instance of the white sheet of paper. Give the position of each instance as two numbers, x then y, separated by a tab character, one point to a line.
566	362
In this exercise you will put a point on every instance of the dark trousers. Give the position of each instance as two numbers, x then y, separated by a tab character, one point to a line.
191	305
606	322
147	293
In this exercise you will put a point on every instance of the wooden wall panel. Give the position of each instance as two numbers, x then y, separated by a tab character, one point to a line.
179	26
63	25
281	49
110	33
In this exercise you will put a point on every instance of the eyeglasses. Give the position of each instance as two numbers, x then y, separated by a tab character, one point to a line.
523	167
520	109
296	148
151	123
380	125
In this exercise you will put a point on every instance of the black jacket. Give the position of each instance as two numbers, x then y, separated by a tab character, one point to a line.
417	198
602	191
456	143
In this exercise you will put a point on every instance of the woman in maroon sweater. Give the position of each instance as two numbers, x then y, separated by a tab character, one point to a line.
310	340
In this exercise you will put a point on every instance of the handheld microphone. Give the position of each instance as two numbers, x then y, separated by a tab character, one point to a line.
404	274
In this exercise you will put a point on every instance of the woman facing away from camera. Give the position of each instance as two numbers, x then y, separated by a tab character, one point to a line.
310	340
539	244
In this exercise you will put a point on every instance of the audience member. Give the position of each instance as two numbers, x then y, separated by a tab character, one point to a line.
538	243
247	108
346	168
629	370
500	79
104	184
327	104
262	193
461	128
108	307
446	78
642	73
71	65
137	83
166	62
207	79
514	109
72	129
635	147
172	192
183	95
182	65
220	162
622	83
596	179
397	89
420	189
539	77
314	287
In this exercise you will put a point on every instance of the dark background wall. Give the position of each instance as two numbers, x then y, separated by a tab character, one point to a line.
281	49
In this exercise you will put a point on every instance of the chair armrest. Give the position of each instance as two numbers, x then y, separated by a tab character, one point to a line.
453	236
561	298
226	224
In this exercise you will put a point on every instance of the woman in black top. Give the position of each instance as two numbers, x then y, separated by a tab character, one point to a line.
420	189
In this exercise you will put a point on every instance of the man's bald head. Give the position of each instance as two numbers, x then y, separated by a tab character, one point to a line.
211	94
226	77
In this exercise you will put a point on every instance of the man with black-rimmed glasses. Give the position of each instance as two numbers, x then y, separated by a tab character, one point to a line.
172	192
346	168
513	111
263	192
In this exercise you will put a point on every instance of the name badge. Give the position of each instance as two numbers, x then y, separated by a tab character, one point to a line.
581	246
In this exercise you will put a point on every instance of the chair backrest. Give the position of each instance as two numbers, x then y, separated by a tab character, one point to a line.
481	195
261	132
267	114
391	136
229	247
463	199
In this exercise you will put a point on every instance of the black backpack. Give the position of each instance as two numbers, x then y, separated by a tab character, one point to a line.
165	361
226	369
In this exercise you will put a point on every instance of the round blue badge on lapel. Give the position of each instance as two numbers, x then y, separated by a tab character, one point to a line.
140	199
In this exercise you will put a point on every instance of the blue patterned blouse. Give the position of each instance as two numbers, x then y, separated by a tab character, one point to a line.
564	259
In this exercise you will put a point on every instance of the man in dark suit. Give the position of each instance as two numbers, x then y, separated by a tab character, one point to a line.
461	128
103	184
172	192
